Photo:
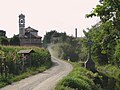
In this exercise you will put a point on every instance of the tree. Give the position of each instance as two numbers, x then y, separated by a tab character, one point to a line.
15	40
117	53
49	36
104	43
4	41
70	49
108	29
108	11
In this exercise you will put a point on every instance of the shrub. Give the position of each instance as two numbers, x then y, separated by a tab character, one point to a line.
78	79
4	41
113	74
41	60
15	40
75	83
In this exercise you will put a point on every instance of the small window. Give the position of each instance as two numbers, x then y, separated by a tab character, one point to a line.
21	21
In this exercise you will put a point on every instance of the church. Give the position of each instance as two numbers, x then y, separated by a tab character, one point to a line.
28	36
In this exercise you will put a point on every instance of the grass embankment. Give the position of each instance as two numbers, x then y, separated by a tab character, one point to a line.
38	62
79	79
107	78
111	71
111	77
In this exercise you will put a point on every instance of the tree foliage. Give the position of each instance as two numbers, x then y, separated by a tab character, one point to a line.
4	41
15	40
106	34
69	50
15	61
52	34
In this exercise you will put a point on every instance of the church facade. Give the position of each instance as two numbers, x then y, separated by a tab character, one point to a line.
28	36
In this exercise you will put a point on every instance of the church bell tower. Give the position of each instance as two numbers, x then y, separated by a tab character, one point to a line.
21	25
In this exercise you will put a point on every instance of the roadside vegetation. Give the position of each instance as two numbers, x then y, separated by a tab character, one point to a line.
105	53
79	79
105	38
14	67
106	78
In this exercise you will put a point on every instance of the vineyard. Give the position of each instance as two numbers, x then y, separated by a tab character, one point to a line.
15	66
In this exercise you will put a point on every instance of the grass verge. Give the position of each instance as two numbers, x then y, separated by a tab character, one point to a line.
79	79
29	72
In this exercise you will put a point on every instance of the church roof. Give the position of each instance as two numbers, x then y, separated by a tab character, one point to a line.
30	35
29	29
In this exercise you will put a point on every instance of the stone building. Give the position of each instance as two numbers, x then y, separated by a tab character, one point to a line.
28	36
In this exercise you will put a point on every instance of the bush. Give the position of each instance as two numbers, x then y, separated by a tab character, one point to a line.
75	83
113	76
41	60
5	81
79	79
15	41
4	41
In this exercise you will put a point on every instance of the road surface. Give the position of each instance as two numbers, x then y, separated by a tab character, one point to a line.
43	81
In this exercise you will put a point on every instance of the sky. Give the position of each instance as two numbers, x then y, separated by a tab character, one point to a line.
47	15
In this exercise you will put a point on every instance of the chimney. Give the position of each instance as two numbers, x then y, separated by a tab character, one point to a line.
75	32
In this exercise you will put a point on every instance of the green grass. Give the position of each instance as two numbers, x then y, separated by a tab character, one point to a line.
110	70
83	79
29	72
113	74
79	79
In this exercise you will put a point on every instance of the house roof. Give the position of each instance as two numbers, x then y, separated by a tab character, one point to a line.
26	51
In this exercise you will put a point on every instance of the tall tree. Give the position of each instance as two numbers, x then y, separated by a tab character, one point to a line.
109	29
108	11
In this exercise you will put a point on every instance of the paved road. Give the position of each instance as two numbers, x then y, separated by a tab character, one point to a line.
43	81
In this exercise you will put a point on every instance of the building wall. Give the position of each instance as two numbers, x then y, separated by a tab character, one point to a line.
30	42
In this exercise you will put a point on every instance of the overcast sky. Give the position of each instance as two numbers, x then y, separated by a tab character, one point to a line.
46	15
